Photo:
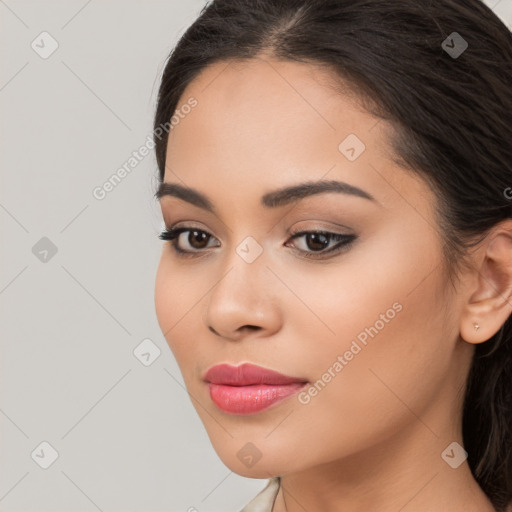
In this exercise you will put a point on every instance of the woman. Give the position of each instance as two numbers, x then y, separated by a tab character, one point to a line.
336	285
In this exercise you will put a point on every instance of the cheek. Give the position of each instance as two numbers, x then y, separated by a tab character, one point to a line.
178	294
385	295
174	302
380	386
382	312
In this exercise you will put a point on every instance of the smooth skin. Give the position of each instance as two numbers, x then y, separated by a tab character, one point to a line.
372	437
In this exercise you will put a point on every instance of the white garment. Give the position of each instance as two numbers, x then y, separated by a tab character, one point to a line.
264	501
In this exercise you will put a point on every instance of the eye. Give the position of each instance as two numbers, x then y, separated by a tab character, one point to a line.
196	239
319	240
316	242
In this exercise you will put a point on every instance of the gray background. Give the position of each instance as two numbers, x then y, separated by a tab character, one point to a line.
126	434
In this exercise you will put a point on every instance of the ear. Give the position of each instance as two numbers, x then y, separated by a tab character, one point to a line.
489	289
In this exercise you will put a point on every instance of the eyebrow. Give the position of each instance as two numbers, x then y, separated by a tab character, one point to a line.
274	199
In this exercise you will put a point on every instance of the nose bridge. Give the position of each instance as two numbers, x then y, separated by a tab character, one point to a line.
242	295
244	271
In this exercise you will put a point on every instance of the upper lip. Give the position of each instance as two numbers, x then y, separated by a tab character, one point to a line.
246	375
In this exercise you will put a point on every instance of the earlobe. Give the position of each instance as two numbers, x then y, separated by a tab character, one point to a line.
489	302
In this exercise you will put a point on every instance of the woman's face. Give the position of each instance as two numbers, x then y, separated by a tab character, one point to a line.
372	328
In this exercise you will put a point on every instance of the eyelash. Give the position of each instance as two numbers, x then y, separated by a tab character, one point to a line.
344	241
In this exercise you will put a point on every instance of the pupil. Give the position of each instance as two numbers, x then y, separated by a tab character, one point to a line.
314	236
197	234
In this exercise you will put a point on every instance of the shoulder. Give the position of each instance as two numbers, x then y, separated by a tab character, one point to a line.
264	501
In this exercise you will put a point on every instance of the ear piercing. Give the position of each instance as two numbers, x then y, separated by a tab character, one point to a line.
476	326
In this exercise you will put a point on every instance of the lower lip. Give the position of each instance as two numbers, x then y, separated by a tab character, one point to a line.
250	399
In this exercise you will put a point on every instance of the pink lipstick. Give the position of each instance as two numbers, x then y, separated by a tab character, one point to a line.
247	388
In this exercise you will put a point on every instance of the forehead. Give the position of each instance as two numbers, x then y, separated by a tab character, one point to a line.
268	95
264	124
265	108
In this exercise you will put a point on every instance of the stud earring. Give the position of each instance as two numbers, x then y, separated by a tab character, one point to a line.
476	326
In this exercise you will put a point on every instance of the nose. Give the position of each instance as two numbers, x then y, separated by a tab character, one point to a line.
243	301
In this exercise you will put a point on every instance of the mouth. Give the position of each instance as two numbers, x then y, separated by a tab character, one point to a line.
247	389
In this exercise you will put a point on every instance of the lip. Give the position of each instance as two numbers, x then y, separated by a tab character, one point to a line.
247	389
247	375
